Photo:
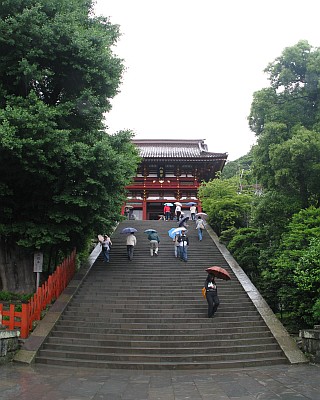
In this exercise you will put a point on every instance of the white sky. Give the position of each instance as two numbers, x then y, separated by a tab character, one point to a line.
193	66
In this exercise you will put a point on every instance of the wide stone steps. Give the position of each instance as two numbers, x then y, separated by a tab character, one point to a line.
116	353
166	336
177	344
174	359
160	324
246	361
170	314
149	313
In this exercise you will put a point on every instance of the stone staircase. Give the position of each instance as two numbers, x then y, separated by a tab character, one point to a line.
149	313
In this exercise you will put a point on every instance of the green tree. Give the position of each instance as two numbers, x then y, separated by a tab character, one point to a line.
285	118
62	177
296	266
234	168
245	247
225	205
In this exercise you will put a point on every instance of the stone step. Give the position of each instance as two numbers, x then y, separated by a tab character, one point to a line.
158	351
247	361
156	318
158	328
154	335
157	358
142	313
128	341
157	323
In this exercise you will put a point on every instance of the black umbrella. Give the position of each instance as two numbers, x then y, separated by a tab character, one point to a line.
183	220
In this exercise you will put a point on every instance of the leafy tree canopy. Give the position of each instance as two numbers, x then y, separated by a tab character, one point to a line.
240	166
285	118
62	177
225	205
296	268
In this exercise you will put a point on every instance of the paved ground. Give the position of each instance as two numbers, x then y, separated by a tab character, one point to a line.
22	382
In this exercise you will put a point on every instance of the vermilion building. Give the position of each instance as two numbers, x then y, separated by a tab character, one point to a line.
170	171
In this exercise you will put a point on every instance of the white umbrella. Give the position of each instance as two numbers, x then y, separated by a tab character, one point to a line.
177	203
178	230
201	214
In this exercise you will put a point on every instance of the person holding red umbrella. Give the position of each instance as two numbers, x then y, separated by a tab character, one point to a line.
211	295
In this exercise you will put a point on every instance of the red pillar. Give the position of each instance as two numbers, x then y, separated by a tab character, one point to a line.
144	210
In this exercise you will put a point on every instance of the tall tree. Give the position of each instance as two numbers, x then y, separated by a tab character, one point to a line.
62	177
285	118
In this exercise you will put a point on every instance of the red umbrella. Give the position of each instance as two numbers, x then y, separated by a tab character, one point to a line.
219	272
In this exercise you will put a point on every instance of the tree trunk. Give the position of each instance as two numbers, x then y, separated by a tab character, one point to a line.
16	268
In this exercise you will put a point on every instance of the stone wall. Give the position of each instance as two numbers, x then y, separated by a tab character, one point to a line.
9	344
311	342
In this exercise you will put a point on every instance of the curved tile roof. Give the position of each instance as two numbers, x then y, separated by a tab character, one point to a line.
175	149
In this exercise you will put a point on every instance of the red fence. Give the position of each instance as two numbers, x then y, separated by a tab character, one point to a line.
45	294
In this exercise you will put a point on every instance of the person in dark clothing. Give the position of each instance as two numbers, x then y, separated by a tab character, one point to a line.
154	240
183	241
211	295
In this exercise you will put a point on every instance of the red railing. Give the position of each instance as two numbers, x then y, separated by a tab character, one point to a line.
46	293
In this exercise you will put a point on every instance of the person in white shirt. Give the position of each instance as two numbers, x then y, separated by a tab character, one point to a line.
193	210
106	244
178	211
200	227
131	242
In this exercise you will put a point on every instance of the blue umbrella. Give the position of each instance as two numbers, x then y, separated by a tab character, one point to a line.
191	203
172	235
129	230
168	204
177	231
150	231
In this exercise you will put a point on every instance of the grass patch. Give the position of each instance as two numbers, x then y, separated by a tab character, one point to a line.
10	297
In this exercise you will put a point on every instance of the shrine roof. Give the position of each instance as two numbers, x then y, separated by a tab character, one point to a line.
172	148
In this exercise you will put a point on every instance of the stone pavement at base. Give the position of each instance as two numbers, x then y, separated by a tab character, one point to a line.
21	382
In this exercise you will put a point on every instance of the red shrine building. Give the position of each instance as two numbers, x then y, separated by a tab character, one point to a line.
170	171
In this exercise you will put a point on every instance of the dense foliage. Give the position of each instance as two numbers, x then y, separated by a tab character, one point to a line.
62	177
226	206
279	244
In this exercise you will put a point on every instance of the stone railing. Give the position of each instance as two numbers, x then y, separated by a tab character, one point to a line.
311	342
9	344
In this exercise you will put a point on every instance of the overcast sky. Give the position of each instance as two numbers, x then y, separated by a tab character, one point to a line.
193	66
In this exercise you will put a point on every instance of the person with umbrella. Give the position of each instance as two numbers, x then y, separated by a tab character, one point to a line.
211	295
193	210
177	210
174	234
183	241
154	240
183	222
131	242
200	227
